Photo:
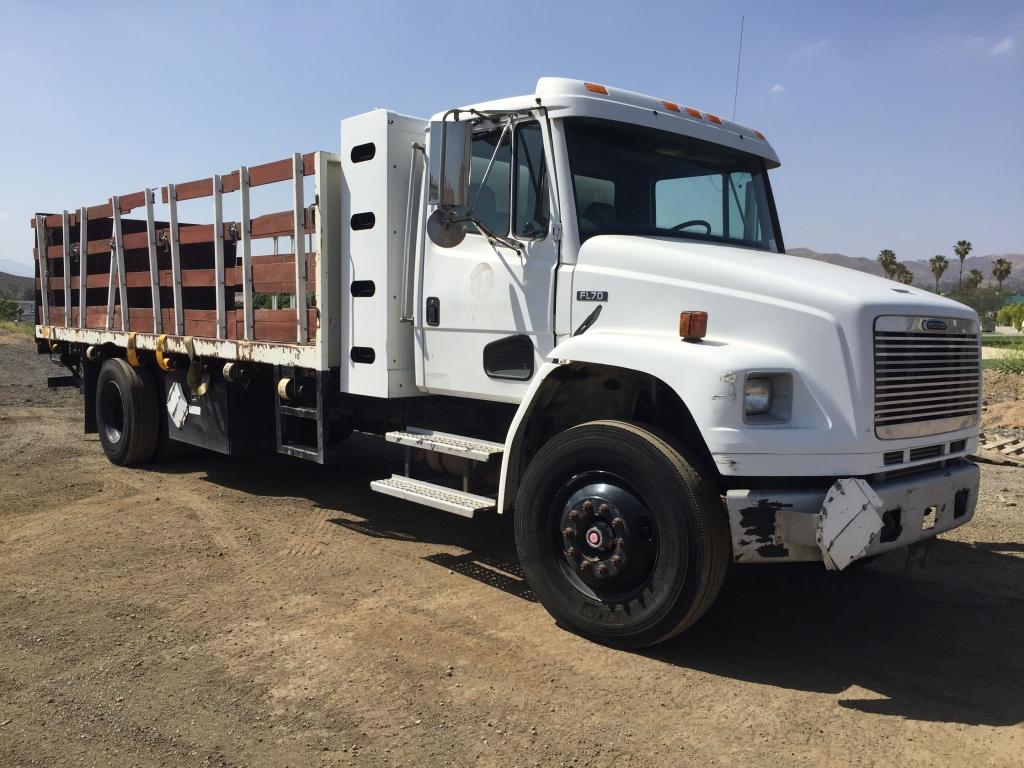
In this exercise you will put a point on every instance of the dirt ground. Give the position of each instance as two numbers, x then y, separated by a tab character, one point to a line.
220	611
1003	407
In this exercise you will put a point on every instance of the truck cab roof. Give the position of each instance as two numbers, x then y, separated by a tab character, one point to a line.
565	97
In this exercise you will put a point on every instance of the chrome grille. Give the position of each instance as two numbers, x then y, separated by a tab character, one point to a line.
926	381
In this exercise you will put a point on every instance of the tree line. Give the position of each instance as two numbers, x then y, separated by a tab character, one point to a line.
938	264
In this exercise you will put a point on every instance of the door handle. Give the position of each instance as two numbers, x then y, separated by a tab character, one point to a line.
433	310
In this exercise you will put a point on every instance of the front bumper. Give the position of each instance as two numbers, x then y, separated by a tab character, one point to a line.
786	525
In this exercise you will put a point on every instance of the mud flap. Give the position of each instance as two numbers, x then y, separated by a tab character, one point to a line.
850	521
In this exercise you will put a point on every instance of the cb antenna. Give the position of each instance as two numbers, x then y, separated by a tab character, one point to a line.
739	55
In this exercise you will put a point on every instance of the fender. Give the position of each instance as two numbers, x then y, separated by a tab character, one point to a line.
706	376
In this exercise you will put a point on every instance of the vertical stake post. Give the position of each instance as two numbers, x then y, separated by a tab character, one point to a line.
179	315
65	238
122	279
154	266
83	264
302	334
218	256
44	267
247	297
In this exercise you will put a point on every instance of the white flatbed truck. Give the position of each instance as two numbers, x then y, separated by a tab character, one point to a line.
573	305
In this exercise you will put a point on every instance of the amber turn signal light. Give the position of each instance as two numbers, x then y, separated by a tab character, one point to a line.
596	88
693	326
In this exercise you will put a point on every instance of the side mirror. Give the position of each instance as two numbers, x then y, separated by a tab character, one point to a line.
448	148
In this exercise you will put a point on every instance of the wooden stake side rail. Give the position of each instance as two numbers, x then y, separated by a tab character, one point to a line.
197	280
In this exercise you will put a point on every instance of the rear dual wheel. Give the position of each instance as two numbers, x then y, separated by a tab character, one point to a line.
619	535
127	412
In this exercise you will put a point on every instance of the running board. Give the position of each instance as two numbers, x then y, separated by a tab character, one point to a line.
442	442
431	495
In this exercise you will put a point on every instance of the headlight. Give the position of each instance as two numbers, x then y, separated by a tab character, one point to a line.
757	397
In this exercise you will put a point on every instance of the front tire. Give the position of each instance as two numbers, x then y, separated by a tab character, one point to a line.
127	413
620	537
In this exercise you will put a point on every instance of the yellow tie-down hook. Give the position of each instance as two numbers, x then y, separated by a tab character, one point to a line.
198	377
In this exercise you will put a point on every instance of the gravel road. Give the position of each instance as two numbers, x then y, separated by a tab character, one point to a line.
229	612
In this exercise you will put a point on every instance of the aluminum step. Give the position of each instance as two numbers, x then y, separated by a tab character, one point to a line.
431	495
442	442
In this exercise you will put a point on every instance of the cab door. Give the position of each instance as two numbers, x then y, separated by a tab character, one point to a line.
486	310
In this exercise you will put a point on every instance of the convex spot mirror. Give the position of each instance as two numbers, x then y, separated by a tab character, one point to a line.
443	231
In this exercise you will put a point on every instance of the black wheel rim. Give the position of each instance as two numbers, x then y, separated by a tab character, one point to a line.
112	412
605	537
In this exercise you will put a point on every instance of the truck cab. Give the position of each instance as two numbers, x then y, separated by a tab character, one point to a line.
832	411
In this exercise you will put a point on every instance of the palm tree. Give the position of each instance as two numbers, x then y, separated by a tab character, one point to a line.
888	261
903	274
974	278
939	264
1001	270
961	249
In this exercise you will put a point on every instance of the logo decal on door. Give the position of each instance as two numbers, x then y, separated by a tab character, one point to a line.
591	295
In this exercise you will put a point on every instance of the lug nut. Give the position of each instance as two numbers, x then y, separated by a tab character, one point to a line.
603	509
584	565
620	543
588	505
616	561
573	552
618	522
602	570
574	514
568	532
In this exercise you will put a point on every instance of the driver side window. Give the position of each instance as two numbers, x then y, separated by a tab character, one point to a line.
491	197
491	192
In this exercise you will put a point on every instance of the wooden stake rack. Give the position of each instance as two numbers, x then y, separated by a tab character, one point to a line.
102	271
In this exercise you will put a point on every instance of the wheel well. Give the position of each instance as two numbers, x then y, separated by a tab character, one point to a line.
580	392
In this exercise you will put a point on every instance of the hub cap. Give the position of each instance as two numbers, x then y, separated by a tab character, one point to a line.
608	539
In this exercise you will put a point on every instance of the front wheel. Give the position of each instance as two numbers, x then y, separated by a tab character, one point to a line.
619	535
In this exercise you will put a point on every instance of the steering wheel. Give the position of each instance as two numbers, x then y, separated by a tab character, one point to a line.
691	223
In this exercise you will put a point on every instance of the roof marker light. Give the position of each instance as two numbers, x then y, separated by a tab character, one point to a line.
759	135
671	106
714	119
694	113
596	88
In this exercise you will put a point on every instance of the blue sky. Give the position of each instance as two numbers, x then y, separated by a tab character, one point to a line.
900	125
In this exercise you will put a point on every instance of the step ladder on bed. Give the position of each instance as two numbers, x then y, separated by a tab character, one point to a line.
459	502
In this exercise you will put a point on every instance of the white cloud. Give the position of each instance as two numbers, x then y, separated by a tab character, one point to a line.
777	89
1005	45
811	49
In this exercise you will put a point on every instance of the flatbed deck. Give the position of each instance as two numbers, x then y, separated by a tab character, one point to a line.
197	288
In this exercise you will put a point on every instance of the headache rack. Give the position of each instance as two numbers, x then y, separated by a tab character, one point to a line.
199	288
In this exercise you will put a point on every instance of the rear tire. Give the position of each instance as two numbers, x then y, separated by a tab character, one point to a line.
127	413
620	537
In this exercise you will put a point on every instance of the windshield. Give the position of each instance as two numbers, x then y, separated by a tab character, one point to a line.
631	180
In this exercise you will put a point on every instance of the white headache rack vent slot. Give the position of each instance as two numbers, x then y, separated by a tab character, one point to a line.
430	495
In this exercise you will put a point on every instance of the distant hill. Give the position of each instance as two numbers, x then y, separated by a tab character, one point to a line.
17	268
922	274
15	286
